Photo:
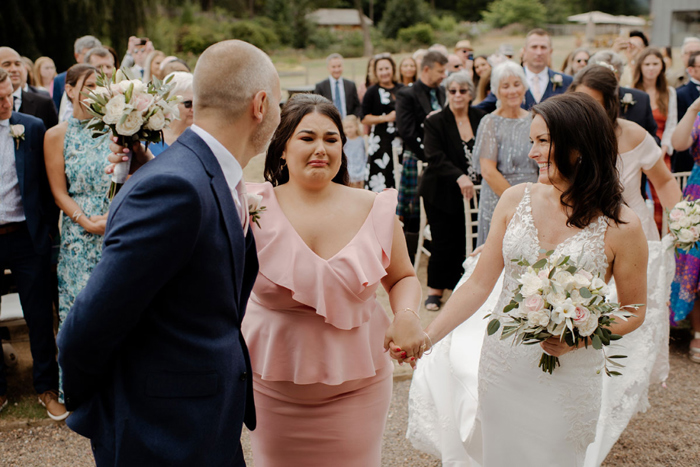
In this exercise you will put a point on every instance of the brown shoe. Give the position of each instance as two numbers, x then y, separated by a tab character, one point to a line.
3	402
55	409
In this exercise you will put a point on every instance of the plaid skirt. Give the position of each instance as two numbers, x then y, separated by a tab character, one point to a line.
409	204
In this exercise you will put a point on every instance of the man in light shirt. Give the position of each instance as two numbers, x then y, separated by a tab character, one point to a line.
342	92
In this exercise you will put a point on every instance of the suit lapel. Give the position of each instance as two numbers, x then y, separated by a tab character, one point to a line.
529	100
423	98
27	106
223	195
20	153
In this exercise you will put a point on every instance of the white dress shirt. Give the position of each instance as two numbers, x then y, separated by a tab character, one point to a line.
233	173
11	208
341	87
543	78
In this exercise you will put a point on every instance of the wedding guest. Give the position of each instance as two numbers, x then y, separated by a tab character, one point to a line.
667	53
690	45
75	167
172	66
355	151
181	86
323	249
155	370
685	96
542	81
408	70
635	105
138	51
36	104
80	48
370	79
418	57
28	75
630	47
577	210
115	55
341	92
576	61
26	223
413	104
448	180
44	74
152	66
650	77
482	78
684	291
439	48
454	64
638	154
503	142
102	60
379	113
465	52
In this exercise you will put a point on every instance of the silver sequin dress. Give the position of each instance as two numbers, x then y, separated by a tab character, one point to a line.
506	141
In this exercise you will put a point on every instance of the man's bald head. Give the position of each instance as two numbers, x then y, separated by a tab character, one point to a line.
227	77
11	62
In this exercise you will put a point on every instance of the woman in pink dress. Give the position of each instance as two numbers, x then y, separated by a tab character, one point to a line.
314	327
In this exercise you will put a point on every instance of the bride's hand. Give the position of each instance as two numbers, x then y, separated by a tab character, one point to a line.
555	347
407	334
401	356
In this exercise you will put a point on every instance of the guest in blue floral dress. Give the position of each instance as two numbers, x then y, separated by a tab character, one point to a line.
686	284
75	164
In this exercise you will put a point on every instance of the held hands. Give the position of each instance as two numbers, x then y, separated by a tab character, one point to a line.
97	224
466	186
119	155
405	339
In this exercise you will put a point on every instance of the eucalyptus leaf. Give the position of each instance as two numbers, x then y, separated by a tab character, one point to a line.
597	344
493	326
585	293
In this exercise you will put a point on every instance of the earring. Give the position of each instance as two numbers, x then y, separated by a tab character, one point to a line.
283	164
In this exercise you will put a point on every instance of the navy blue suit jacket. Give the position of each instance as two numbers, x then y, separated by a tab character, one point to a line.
489	103
39	206
155	367
59	87
639	113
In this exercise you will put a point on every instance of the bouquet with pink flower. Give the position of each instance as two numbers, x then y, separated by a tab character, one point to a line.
557	298
684	224
132	111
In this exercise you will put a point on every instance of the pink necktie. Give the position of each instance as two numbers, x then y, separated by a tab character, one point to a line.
536	92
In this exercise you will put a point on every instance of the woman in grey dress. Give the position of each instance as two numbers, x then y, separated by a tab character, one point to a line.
503	142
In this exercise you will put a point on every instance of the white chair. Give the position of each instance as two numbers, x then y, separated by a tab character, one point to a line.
471	211
682	179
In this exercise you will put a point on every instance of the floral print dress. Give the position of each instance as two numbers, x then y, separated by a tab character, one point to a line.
382	139
85	159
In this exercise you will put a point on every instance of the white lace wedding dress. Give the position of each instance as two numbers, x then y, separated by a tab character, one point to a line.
444	395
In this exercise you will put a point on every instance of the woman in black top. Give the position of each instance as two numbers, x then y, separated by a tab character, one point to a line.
447	181
378	108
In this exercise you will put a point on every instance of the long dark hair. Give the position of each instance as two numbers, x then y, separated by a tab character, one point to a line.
585	154
602	79
661	85
78	71
294	110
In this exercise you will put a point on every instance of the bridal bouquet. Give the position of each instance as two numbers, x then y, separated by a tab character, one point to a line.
132	111
557	298
684	224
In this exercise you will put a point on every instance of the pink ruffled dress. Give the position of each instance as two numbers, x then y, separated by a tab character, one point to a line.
315	331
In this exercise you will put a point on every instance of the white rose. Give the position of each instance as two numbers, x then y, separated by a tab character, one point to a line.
684	222
531	283
556	298
114	110
131	125
695	219
581	280
674	226
676	214
538	318
686	236
17	131
254	202
589	326
627	98
563	278
172	112
597	283
683	205
576	297
156	122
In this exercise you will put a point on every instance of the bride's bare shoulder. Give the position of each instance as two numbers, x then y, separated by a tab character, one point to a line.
630	227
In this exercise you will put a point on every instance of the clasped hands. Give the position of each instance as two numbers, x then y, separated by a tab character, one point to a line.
405	339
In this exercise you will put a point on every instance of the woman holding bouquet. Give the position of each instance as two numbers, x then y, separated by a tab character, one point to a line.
575	210
75	168
314	327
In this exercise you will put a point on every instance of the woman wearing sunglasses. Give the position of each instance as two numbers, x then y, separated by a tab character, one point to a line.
181	86
576	61
447	181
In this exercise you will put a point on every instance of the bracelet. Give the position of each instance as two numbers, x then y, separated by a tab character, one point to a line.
412	311
431	344
76	215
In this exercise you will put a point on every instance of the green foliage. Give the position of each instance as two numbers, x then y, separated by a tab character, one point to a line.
446	23
529	13
258	35
420	34
471	10
400	14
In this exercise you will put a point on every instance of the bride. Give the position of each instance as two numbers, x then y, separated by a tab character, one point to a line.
525	416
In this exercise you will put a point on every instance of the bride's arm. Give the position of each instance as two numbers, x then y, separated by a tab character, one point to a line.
468	298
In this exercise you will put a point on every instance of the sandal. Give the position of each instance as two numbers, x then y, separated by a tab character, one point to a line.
433	303
694	353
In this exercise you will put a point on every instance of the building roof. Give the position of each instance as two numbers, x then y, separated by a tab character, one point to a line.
337	17
598	17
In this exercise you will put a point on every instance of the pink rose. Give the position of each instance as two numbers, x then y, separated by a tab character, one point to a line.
582	315
585	274
676	215
143	102
544	275
534	303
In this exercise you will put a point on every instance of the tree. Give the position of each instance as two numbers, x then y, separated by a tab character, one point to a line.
529	13
400	14
471	10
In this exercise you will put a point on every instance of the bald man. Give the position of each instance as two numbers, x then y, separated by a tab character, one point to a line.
155	367
30	103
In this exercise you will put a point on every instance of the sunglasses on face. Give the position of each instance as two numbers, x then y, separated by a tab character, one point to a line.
187	104
455	91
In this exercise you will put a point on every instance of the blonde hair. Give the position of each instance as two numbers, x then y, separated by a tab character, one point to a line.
37	70
355	122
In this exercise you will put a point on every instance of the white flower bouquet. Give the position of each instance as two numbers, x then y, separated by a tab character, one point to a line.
132	111
557	298
684	224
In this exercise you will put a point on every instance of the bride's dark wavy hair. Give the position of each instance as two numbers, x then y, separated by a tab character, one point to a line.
298	106
584	150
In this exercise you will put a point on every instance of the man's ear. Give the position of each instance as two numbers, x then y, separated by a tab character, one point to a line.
260	105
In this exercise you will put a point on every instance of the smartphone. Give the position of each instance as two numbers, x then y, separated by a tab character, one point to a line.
143	41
